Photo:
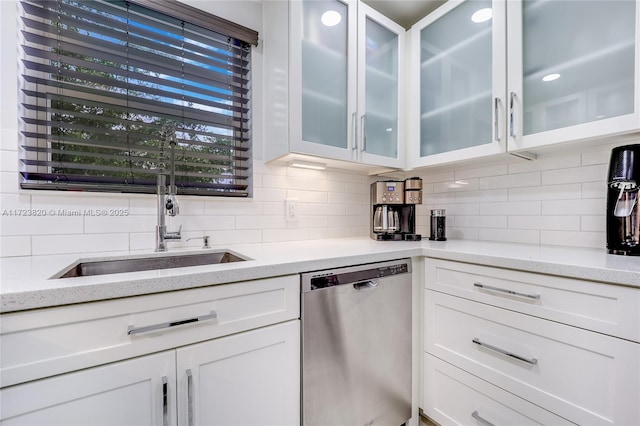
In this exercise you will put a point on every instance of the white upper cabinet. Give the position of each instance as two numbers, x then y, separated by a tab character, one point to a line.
380	84
573	70
528	74
334	71
458	90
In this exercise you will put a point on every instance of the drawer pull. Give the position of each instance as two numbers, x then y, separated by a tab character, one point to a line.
165	414
137	330
504	290
531	361
479	418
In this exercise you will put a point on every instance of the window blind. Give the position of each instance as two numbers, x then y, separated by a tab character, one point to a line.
100	81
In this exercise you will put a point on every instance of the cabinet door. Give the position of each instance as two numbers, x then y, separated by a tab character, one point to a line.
573	70
458	83
251	378
323	77
136	392
380	65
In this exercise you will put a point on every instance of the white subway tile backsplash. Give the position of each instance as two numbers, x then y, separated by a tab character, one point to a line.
510	208
510	181
546	192
593	173
83	243
567	223
593	223
594	190
523	236
42	225
479	221
494	170
8	161
308	196
557	199
574	238
545	162
15	246
485	196
9	183
574	207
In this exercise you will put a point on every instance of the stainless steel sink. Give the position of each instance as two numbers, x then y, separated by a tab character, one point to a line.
116	266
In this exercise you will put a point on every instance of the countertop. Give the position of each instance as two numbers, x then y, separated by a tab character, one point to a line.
26	281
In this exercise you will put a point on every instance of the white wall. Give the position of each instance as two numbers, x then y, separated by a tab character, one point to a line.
558	199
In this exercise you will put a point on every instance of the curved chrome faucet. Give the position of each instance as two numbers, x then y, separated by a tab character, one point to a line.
167	203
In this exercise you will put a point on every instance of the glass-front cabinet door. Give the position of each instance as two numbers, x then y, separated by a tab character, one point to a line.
346	67
380	78
573	70
323	81
458	69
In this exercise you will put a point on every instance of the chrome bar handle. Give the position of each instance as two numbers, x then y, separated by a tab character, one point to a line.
531	361
354	128
137	330
363	123
512	125
189	398
165	413
507	291
496	127
479	418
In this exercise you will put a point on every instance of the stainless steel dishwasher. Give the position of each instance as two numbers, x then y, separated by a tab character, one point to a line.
356	345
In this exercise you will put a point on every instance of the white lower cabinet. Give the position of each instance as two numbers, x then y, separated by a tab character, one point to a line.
126	393
219	355
457	397
496	345
251	378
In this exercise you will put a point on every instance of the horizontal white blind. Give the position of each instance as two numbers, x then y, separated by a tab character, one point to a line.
102	78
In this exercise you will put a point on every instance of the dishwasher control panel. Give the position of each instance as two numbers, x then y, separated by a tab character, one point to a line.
353	274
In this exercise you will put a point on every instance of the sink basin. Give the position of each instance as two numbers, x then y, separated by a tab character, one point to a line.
116	266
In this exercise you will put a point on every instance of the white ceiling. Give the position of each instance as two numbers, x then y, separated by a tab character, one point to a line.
405	12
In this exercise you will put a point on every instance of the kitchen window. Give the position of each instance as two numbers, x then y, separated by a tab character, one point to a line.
104	82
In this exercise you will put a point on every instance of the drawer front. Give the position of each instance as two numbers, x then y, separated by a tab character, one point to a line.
606	308
40	343
585	377
454	397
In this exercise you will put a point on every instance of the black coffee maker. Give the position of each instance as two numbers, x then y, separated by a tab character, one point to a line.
623	213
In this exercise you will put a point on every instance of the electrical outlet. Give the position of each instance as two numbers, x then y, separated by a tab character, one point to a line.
291	209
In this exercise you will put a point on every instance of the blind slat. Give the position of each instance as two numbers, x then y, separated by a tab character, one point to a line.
101	79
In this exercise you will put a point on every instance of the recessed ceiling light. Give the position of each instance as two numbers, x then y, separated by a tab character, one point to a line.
551	77
482	15
331	18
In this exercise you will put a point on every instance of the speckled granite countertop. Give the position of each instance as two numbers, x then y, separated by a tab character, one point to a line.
26	281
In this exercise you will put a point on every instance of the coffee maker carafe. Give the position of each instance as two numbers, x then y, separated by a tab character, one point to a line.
393	209
623	213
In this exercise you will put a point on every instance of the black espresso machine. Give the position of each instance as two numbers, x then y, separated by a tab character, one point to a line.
393	210
623	212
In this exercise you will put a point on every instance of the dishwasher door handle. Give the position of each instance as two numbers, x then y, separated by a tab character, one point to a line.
366	284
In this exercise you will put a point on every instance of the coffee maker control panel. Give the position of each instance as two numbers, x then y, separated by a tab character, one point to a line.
388	193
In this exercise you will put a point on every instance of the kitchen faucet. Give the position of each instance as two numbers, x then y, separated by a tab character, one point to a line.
167	203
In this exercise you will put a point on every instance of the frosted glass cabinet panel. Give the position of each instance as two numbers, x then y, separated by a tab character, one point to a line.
459	65
325	63
338	95
573	70
379	86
